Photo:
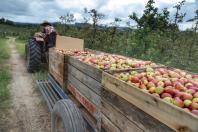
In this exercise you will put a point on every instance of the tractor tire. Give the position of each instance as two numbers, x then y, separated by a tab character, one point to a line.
33	56
66	117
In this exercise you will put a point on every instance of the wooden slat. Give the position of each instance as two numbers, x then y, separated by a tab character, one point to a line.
85	79
88	105
117	118
85	68
84	90
108	126
57	66
172	116
132	113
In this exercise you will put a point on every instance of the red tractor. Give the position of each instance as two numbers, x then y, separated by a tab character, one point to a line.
38	46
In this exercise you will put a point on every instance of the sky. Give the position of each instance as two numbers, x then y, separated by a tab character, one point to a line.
35	11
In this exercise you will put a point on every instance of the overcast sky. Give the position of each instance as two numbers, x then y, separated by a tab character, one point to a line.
38	10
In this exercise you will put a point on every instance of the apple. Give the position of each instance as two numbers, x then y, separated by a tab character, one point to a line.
187	103
152	89
156	95
160	83
133	72
168	99
149	69
137	84
194	106
186	109
195	95
195	112
195	100
135	79
188	85
170	90
179	86
142	86
165	95
186	96
167	83
159	90
178	94
193	87
190	91
150	84
178	102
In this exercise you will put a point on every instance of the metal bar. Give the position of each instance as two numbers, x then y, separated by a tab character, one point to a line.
57	88
44	95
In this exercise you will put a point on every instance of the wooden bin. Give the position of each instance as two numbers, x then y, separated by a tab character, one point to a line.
58	66
127	108
84	83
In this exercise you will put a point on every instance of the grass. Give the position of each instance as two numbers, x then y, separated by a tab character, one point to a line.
5	77
20	46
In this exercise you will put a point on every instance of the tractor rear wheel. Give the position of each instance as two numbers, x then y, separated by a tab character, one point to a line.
33	56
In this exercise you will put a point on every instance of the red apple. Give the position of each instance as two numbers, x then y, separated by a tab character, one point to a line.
167	83
178	94
142	86
178	102
186	96
195	112
135	80
194	106
137	84
179	86
195	95
169	89
186	109
194	76
165	95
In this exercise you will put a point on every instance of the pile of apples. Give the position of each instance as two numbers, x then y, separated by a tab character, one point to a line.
114	62
173	86
73	52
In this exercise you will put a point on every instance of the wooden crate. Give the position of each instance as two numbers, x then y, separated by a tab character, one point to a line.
131	105
84	83
58	66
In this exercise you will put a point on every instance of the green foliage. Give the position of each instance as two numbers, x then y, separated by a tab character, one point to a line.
156	36
20	46
5	75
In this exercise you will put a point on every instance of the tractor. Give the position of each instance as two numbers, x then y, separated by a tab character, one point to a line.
37	48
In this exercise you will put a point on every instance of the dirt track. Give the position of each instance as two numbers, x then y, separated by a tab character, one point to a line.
29	113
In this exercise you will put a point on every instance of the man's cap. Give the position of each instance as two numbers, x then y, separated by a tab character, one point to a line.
45	23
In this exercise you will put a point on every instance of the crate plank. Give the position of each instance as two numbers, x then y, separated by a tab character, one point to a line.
133	114
108	126
117	118
84	90
172	116
57	66
85	79
85	68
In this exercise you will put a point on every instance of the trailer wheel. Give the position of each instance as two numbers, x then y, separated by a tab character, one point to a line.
33	56
66	117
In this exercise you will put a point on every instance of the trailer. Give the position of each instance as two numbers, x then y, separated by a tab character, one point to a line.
84	98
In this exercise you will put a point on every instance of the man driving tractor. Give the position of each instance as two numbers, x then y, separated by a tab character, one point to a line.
38	46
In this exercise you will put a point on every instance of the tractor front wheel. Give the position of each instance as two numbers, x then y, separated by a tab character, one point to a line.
33	56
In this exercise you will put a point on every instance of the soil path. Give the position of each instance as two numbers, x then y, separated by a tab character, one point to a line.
29	112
